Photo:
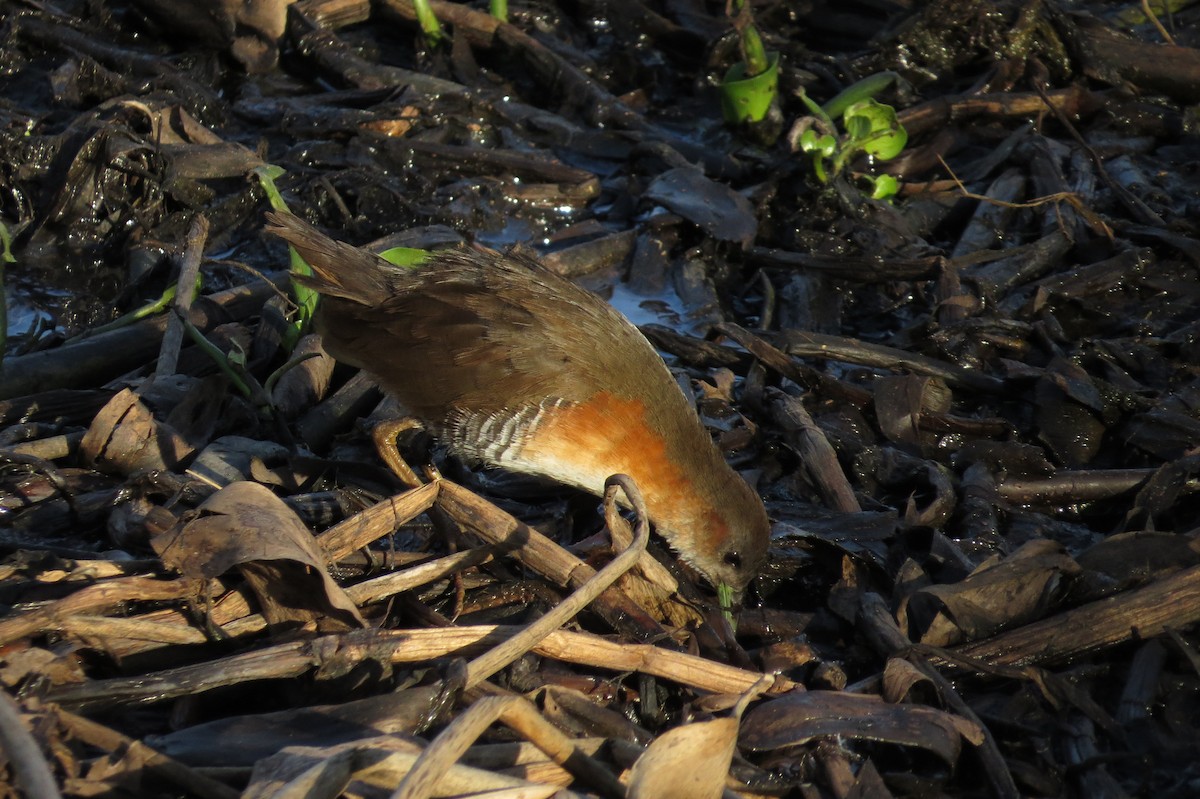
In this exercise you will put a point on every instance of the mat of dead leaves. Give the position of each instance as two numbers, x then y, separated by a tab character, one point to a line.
972	411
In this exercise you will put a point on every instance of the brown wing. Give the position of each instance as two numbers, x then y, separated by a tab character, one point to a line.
487	332
471	329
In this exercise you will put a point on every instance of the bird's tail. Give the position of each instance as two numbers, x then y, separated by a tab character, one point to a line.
339	270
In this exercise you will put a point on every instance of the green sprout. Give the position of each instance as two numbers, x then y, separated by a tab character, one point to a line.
306	298
868	127
725	600
429	22
499	9
749	86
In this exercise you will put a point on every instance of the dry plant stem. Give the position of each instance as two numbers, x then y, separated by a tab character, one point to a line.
656	574
48	449
815	452
861	269
942	111
331	54
57	37
185	292
388	585
1172	602
100	630
1080	485
408	646
798	373
32	773
1137	209
376	521
97	598
519	714
541	555
1153	17
120	638
486	665
165	767
1070	198
335	14
839	348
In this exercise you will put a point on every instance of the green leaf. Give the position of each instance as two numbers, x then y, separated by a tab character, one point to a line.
885	145
267	174
874	128
883	186
861	90
405	256
725	600
818	144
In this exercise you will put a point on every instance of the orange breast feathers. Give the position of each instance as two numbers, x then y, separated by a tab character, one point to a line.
583	444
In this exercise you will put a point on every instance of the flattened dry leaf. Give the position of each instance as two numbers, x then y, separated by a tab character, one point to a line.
247	526
1069	410
800	717
230	459
1141	556
244	740
1012	593
688	762
719	210
54	668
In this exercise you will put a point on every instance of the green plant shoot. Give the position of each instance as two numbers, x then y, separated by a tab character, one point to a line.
749	86
868	127
306	298
428	22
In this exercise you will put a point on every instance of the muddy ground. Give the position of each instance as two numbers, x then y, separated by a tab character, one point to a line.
971	408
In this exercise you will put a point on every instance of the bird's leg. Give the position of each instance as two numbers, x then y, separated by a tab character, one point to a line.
384	436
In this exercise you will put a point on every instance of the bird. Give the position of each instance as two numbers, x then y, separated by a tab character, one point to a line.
511	365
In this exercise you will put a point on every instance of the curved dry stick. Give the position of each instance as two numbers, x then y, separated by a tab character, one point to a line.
520	714
492	661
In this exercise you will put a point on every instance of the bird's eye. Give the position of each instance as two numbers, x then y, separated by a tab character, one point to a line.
734	559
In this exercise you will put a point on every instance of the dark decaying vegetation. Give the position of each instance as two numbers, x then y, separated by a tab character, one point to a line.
973	410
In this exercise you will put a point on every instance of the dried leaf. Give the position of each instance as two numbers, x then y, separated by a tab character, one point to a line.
688	762
1007	594
247	526
801	717
719	210
692	761
125	438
